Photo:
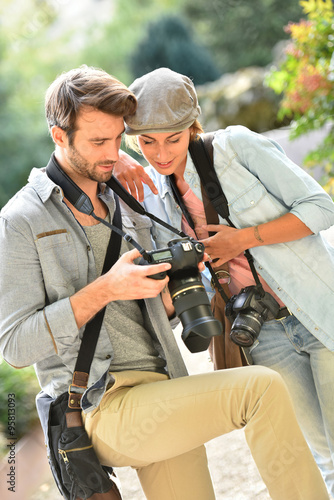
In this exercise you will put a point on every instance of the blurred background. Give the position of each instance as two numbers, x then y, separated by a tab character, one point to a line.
265	64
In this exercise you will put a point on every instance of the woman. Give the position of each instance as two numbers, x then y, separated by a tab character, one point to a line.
278	212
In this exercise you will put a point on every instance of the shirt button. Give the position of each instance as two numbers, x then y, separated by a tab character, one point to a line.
88	248
108	356
252	202
57	190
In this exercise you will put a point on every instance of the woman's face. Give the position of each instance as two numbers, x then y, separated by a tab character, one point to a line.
166	152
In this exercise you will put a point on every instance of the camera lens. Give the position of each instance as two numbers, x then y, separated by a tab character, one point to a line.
246	328
192	306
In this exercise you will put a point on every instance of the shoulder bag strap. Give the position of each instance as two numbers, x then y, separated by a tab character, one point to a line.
93	327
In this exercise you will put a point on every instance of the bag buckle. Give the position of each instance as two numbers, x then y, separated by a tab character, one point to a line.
75	392
76	389
74	398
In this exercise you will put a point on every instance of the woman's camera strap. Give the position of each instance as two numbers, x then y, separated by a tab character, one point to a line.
201	151
117	187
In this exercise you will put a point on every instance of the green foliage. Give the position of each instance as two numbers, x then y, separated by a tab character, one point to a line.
34	49
26	68
111	46
24	385
306	81
241	33
169	43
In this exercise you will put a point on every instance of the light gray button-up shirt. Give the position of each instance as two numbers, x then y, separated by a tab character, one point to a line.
45	258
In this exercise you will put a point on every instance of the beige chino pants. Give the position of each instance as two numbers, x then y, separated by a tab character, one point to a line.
159	426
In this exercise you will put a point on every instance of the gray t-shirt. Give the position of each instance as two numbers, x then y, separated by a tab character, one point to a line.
125	320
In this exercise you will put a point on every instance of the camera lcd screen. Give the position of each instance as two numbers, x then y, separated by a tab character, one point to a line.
166	254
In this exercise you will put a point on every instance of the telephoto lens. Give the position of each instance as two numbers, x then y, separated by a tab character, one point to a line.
187	291
193	308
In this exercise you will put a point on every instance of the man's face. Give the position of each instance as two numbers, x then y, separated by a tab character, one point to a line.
95	145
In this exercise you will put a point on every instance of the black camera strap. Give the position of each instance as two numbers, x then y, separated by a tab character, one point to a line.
201	152
190	221
117	187
83	204
93	327
180	201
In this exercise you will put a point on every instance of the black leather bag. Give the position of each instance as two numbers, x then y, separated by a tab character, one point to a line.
73	461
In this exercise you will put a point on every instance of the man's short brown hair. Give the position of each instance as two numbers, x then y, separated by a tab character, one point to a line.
85	87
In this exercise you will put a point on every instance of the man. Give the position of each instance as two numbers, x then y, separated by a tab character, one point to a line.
140	409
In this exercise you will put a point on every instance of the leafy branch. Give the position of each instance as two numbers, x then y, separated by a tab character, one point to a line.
306	81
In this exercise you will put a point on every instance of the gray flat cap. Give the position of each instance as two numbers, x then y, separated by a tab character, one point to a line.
167	102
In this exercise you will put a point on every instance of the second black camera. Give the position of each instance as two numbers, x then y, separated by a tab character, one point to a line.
247	312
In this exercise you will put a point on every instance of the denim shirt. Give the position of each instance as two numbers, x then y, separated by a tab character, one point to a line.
262	184
46	257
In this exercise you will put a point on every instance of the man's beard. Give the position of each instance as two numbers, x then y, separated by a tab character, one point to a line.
81	166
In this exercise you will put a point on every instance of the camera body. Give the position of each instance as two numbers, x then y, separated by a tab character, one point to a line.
184	255
247	312
187	291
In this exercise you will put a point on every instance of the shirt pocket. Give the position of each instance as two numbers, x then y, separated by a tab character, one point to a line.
138	227
58	258
255	205
161	236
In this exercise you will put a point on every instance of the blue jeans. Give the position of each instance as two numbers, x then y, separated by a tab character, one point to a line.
308	370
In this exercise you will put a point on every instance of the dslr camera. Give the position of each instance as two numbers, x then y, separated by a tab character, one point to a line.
188	294
247	312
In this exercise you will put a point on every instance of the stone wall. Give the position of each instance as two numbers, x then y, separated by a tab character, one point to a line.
239	98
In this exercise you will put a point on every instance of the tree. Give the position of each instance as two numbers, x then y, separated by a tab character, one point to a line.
169	43
29	61
111	46
305	80
241	33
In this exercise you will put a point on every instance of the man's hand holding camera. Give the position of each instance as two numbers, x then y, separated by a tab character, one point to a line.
124	281
128	281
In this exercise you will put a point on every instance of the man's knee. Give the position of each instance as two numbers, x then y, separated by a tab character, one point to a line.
265	379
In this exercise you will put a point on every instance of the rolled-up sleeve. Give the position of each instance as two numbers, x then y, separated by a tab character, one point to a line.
289	183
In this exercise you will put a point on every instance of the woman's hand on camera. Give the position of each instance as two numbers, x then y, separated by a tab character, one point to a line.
224	245
229	242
